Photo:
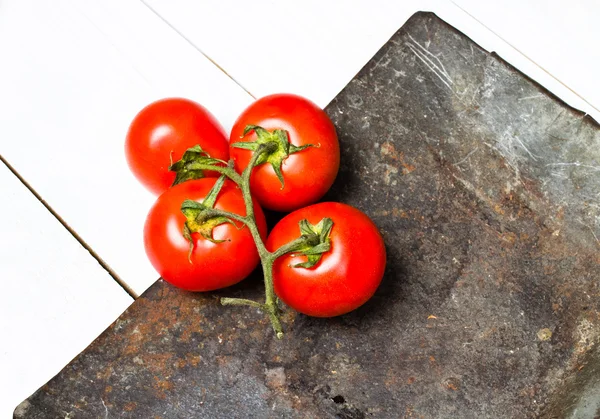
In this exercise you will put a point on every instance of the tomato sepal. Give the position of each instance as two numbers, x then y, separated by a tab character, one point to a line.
313	242
200	222
188	167
281	147
201	219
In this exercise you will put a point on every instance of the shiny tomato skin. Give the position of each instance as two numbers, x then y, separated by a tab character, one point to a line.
160	134
309	173
213	265
346	276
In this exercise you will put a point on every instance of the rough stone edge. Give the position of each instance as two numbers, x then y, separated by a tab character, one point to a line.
423	15
568	394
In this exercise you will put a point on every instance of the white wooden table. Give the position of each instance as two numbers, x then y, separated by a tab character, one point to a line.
74	72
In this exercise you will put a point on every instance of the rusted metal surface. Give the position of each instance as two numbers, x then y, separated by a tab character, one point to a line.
486	190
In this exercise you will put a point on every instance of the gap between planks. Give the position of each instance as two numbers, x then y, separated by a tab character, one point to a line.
178	32
77	237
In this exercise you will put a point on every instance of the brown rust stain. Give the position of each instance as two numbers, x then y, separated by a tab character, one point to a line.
157	363
276	379
105	373
388	150
162	387
193	359
130	407
162	317
406	167
498	209
509	239
410	413
396	213
391	378
489	332
186	334
527	392
81	404
451	384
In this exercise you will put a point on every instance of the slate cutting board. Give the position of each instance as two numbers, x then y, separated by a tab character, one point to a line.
486	189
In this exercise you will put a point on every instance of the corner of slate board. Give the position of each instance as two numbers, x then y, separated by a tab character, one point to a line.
485	189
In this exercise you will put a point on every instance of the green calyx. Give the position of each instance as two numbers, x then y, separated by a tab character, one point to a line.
279	147
201	218
188	167
317	241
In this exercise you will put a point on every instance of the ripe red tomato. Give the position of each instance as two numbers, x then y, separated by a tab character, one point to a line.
160	134
309	173
346	276
211	265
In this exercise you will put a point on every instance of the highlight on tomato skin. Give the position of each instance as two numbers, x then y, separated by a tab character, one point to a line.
308	174
347	275
211	265
160	134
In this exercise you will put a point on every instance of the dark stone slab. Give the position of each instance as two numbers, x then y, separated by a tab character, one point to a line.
486	188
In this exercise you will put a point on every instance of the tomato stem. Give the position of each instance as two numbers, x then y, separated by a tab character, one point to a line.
270	305
226	301
267	258
189	167
214	212
193	165
227	171
294	246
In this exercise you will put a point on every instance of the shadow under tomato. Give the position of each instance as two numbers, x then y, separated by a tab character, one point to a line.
388	298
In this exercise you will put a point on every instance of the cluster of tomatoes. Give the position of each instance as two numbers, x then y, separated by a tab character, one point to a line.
207	229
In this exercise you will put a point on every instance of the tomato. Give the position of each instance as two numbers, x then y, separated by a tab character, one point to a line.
347	274
309	173
160	134
210	265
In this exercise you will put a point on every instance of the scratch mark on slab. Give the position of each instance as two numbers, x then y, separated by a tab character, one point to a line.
105	409
466	157
530	97
428	58
534	157
576	164
591	231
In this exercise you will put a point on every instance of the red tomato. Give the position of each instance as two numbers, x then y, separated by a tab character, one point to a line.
346	276
162	132
309	173
213	265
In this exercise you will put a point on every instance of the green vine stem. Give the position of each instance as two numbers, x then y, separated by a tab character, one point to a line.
309	239
224	170
267	258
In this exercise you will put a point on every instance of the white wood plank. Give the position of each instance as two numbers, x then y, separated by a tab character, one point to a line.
55	296
309	47
314	47
78	73
81	69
